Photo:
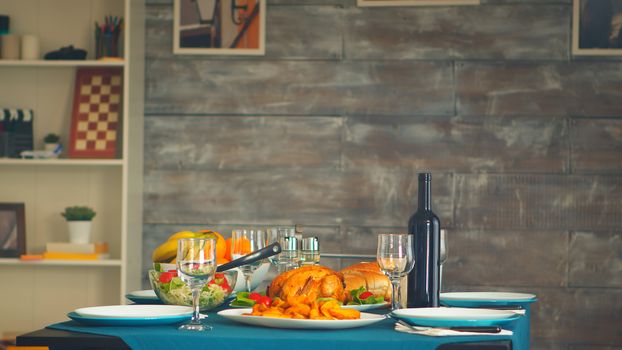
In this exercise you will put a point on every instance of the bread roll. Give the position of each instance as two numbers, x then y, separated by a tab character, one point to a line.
312	281
368	275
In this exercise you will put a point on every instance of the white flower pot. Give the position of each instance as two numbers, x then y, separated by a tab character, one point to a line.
79	231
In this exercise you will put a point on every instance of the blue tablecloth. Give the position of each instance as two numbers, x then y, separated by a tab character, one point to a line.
230	335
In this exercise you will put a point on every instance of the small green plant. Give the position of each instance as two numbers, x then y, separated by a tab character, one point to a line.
51	138
78	213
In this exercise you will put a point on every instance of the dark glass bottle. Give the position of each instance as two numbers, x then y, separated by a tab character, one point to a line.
423	280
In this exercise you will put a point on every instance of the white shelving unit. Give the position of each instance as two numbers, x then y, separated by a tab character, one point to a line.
37	293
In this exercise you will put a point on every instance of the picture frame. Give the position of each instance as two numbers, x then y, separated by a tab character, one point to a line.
97	111
381	3
12	230
597	27
219	27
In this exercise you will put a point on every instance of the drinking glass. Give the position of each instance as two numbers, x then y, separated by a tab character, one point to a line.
396	258
244	242
279	234
196	264
442	258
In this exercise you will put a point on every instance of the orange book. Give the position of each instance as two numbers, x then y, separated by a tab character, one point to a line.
74	256
31	257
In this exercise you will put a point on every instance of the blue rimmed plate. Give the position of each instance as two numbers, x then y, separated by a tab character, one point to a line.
110	321
483	299
455	316
147	296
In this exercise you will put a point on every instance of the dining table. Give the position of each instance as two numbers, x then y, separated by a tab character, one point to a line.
228	334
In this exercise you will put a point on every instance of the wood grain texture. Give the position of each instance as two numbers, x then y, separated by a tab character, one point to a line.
474	258
596	145
457	32
291	33
375	198
470	144
538	202
596	259
242	143
539	89
225	87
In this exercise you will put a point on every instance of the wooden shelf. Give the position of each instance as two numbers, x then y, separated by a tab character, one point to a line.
62	162
61	63
18	262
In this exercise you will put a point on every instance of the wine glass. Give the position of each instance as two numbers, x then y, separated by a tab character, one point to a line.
396	258
443	257
244	242
196	264
280	235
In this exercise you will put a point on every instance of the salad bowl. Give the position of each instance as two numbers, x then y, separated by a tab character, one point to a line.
171	290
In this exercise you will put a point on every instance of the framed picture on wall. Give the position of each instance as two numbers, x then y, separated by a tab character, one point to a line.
219	27
364	3
597	27
12	230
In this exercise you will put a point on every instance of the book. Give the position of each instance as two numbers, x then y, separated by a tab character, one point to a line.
74	256
66	247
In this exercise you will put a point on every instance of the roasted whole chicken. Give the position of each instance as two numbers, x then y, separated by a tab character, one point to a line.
311	281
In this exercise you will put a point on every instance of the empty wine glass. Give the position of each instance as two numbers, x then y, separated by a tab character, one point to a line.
396	258
443	257
244	242
196	264
280	235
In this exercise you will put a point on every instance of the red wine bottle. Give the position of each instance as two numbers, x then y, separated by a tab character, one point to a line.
423	280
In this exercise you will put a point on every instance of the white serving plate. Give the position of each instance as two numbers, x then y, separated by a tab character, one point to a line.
454	316
488	296
134	311
273	322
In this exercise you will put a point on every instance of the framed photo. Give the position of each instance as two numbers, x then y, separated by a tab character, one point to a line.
219	27
96	113
597	27
12	230
379	3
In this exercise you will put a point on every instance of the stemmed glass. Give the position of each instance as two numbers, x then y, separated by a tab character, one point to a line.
196	264
244	242
396	259
443	257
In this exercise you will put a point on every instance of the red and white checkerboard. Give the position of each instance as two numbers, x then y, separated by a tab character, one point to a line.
96	113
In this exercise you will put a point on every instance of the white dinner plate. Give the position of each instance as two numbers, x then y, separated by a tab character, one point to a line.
273	322
455	316
134	311
481	298
368	307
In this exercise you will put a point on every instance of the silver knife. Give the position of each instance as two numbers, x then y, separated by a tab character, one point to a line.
475	329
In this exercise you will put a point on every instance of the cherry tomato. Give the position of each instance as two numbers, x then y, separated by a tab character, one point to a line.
166	277
265	300
365	295
254	296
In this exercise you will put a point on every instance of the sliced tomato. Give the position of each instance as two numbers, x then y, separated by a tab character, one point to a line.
166	277
365	295
265	300
174	272
254	296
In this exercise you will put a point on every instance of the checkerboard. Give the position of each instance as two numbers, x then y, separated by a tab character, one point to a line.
96	113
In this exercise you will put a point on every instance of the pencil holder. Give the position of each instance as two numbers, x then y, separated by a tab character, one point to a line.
107	37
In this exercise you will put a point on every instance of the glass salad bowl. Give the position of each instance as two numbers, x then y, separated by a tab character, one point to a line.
173	291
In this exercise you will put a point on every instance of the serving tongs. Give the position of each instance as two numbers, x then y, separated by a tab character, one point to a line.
263	253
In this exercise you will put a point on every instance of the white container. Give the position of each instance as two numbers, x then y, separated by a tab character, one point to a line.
30	47
79	231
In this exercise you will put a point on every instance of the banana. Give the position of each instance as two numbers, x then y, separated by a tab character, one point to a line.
165	251
184	234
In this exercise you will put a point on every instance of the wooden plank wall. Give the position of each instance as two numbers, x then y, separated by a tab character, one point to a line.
331	126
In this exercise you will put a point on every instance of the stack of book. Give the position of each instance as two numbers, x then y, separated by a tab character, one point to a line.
76	251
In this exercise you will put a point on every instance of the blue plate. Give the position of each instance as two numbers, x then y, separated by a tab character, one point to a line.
455	317
144	297
483	299
139	321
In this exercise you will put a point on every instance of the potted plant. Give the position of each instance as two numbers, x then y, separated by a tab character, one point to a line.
52	143
79	220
